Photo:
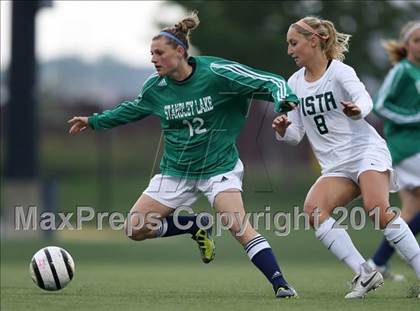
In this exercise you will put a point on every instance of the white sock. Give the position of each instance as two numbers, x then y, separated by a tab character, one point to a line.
400	236
339	243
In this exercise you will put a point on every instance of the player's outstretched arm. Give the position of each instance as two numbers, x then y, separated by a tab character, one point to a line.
289	128
78	124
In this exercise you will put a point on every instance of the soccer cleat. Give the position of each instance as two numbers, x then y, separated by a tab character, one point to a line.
386	273
206	244
362	285
286	292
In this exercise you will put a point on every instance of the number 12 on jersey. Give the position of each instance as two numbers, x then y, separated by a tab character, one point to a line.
320	124
195	126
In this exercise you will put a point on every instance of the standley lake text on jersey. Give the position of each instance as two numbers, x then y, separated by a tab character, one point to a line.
188	108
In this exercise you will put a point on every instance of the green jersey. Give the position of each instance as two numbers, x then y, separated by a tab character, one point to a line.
201	117
398	102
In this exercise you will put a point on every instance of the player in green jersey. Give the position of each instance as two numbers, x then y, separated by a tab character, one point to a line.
398	103
202	104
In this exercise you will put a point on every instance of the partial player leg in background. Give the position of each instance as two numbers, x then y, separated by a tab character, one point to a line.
410	204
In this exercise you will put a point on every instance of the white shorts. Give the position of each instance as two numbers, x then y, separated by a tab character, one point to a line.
177	192
353	169
408	172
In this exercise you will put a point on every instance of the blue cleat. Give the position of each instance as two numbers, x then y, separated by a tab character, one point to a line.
286	291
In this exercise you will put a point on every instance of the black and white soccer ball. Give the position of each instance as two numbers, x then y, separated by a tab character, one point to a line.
52	268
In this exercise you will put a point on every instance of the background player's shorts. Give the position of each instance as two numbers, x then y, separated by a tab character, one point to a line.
176	192
378	161
408	172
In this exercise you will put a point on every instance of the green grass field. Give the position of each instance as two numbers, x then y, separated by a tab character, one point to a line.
113	273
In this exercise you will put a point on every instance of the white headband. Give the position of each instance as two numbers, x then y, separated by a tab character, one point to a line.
410	31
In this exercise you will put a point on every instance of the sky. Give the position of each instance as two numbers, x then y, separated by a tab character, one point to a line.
93	29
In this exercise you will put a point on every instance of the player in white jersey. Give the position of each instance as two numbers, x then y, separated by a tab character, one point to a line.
354	159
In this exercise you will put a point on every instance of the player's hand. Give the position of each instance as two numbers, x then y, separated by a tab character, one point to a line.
280	124
350	109
78	124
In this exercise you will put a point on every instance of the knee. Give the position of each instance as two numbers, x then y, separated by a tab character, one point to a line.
134	231
311	209
378	207
373	202
137	235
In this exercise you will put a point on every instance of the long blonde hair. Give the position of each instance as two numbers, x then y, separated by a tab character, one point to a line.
182	31
333	43
396	48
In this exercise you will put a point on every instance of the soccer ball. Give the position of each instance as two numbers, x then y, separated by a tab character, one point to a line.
51	268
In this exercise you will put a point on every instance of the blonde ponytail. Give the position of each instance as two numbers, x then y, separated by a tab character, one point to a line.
337	44
396	48
333	43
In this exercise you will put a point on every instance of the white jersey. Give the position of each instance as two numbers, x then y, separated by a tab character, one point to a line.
336	139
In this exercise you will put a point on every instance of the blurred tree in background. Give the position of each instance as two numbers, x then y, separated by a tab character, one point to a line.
108	170
254	32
